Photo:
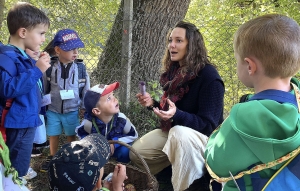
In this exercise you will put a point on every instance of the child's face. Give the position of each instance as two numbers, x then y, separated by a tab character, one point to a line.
33	54
35	37
242	70
108	104
66	56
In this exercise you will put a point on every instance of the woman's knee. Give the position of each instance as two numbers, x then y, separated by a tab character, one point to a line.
191	137
178	130
149	146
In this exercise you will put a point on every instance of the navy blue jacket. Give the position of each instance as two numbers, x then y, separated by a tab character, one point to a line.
119	128
201	108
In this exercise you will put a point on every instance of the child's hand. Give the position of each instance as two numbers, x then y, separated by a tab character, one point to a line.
43	62
112	149
118	178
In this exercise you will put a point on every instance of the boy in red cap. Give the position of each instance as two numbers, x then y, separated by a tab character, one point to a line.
103	116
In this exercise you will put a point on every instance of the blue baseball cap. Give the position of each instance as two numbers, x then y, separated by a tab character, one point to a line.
67	39
76	165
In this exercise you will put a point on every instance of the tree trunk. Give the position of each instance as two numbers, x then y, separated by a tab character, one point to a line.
2	2
151	22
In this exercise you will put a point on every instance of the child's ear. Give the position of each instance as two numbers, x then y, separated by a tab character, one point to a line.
56	49
21	32
96	111
252	66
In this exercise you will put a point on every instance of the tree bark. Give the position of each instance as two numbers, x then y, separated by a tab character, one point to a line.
151	22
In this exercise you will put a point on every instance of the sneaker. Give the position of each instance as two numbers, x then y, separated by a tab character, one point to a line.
30	174
45	164
43	145
36	152
23	180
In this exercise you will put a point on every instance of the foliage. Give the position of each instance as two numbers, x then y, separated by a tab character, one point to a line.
154	89
145	120
218	20
84	18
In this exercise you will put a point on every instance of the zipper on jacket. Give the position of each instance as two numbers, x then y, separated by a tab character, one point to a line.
73	76
56	76
62	102
106	131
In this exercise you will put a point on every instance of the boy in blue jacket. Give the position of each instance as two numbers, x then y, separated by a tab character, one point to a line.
103	116
20	80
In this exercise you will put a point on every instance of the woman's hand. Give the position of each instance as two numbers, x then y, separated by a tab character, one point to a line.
165	115
144	100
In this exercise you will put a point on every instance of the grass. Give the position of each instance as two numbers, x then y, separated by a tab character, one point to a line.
40	182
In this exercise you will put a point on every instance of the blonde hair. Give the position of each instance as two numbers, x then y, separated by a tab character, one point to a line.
274	40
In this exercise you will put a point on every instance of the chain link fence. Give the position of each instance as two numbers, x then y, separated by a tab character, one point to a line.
116	51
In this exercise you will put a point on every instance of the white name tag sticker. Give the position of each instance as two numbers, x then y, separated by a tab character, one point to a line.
46	100
67	94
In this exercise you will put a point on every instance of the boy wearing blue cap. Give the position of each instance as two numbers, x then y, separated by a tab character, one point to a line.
66	90
103	116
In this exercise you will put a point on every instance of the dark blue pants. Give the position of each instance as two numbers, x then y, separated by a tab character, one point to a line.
122	154
20	142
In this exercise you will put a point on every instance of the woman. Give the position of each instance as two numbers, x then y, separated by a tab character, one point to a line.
190	108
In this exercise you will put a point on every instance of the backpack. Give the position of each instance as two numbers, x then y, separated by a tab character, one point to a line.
81	73
286	178
8	55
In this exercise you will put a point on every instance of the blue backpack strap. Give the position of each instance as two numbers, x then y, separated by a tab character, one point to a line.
287	177
244	98
7	59
81	74
257	182
48	73
49	70
81	69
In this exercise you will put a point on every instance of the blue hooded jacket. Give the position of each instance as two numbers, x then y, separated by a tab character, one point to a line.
22	86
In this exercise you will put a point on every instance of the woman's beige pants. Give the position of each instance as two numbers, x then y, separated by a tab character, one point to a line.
182	147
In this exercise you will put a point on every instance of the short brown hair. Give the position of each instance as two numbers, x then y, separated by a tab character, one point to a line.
25	15
274	40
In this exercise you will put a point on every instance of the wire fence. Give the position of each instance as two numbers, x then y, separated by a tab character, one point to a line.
125	40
